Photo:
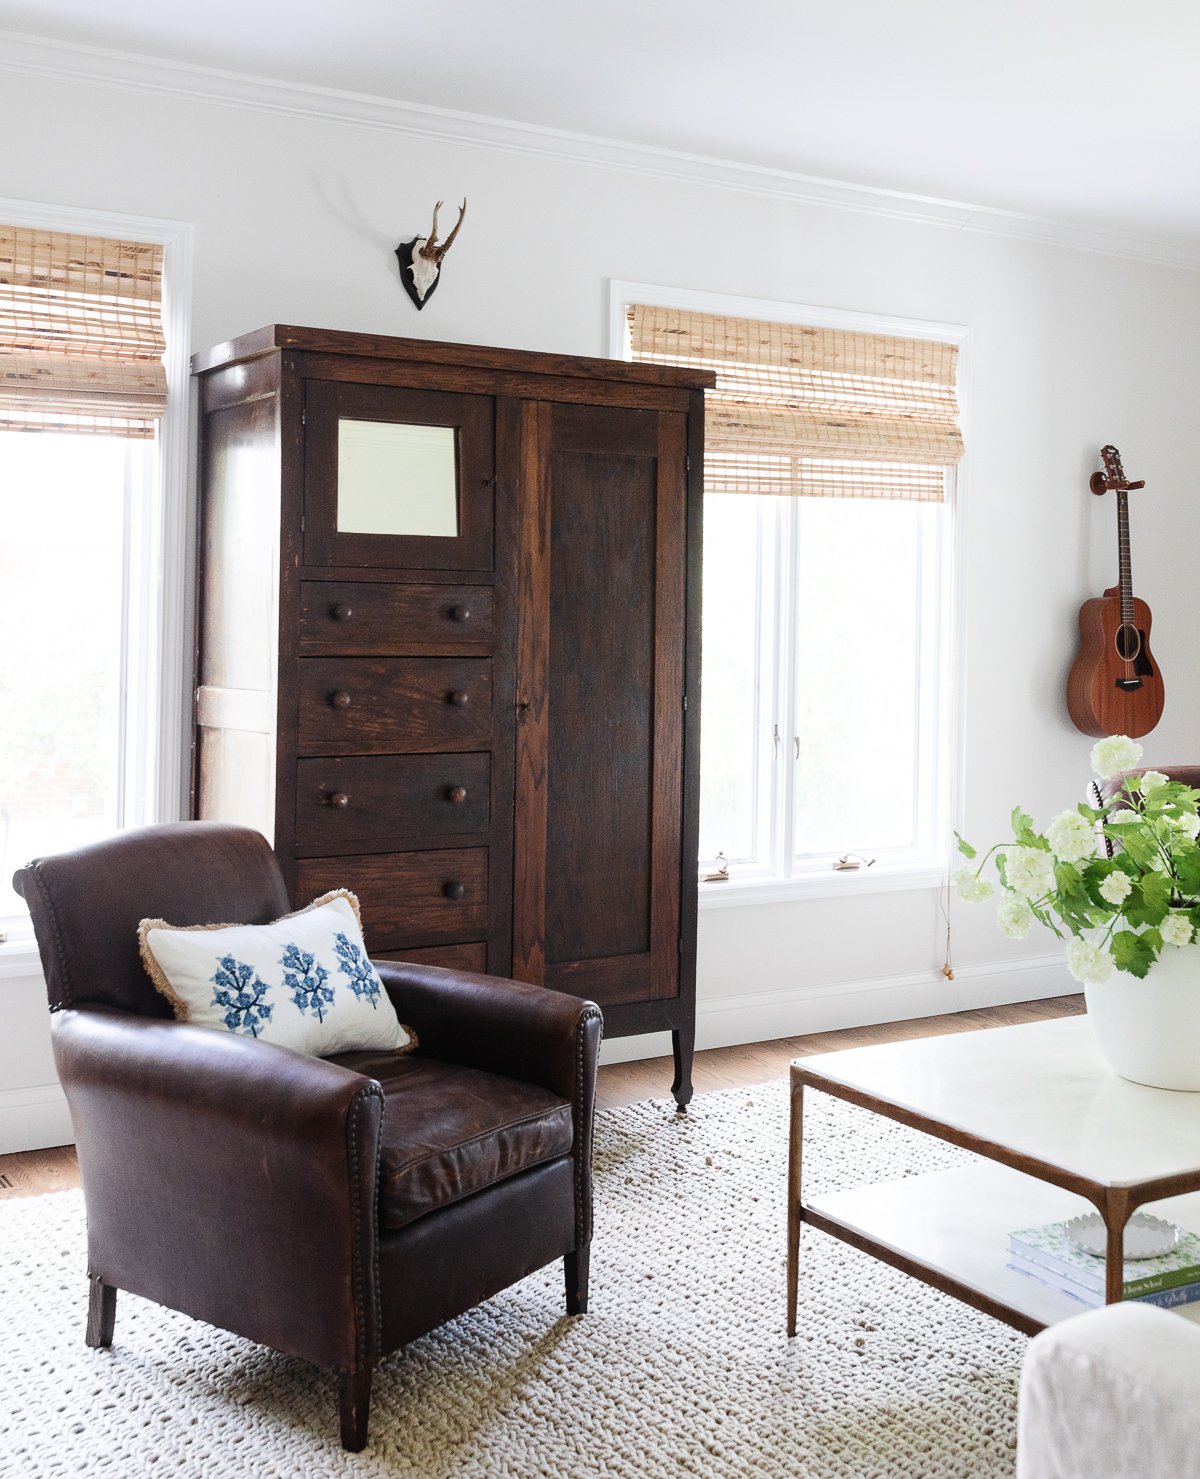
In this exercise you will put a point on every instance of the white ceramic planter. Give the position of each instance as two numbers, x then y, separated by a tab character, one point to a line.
1149	1031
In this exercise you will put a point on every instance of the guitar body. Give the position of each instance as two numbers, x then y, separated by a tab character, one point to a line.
1113	657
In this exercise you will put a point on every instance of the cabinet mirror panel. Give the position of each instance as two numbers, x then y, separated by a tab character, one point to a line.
398	479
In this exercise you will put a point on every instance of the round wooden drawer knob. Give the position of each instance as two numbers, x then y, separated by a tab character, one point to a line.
340	699
460	613
454	890
339	799
459	698
341	613
457	794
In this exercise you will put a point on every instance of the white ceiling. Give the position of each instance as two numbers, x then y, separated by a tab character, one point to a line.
1084	111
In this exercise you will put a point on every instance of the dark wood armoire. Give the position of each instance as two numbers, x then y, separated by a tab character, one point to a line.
448	651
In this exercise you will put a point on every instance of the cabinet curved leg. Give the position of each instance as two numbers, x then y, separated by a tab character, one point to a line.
683	1042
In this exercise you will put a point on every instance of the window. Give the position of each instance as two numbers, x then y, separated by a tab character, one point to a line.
91	535
827	611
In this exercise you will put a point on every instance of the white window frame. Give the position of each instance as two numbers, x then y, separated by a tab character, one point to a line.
942	700
157	601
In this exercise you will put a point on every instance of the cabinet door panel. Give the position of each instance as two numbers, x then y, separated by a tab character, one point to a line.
365	426
601	622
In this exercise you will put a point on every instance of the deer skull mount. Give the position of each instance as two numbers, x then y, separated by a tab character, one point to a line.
421	259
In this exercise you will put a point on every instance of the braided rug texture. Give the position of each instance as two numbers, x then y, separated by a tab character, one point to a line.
682	1368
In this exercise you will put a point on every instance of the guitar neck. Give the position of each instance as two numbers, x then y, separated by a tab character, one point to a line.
1125	578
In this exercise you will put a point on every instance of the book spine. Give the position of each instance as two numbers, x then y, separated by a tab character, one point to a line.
1085	1278
1055	1280
1167	1299
1177	1295
1090	1279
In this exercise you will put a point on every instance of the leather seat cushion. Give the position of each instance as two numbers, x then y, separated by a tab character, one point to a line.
450	1131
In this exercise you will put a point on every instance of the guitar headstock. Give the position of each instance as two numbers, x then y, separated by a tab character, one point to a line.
1113	475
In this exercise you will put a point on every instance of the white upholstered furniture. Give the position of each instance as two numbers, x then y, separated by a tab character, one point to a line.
1111	1394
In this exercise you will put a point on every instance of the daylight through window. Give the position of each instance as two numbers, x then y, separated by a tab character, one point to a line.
829	457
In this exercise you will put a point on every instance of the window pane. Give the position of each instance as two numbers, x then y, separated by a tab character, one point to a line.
62	542
729	743
856	674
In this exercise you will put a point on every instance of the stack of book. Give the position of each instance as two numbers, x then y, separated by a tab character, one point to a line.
1048	1254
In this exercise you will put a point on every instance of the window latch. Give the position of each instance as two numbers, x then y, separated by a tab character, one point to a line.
849	861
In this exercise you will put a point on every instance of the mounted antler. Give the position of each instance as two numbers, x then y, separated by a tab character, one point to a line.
421	258
431	251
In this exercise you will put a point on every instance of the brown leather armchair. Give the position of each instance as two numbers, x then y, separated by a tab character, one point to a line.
1100	793
334	1209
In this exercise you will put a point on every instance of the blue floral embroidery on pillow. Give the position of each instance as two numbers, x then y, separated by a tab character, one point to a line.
239	989
354	964
305	979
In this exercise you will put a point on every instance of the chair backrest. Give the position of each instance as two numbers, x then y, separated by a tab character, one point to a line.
1100	793
1188	775
87	904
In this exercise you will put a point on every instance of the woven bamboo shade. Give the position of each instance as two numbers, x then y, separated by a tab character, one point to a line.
81	338
824	413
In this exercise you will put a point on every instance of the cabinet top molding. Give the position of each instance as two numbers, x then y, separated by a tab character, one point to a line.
276	337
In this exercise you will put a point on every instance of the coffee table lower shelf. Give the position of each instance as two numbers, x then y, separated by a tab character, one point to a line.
950	1229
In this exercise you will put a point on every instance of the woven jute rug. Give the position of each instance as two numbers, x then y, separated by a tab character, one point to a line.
682	1368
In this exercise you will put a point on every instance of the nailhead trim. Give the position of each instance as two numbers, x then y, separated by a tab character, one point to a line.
369	1090
583	1149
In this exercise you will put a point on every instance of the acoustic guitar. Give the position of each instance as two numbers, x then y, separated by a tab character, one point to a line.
1114	686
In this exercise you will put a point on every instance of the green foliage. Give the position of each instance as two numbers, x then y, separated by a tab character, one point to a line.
1133	953
1108	909
1022	825
1149	900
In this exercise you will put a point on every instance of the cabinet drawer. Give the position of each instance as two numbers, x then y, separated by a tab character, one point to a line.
350	618
378	803
472	957
408	898
388	706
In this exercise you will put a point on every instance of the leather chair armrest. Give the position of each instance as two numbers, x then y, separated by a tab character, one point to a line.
227	1177
526	1032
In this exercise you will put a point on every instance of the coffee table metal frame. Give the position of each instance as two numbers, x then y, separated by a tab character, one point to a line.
1114	1203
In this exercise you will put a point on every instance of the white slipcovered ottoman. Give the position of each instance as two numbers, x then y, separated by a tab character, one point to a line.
1112	1394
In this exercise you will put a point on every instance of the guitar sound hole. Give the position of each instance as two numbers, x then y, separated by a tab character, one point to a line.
1128	642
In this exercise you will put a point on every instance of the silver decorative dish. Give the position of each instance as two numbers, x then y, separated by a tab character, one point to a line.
1145	1236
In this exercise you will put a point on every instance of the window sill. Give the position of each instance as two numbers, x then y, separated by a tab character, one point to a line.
19	956
835	884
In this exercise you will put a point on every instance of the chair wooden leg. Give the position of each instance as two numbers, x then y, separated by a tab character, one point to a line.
575	1265
354	1406
102	1313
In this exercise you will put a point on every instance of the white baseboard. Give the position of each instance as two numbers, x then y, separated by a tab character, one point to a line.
760	1016
32	1119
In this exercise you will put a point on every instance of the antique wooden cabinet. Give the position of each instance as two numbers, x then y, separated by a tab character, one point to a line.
448	651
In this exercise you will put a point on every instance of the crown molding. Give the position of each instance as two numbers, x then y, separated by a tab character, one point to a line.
40	56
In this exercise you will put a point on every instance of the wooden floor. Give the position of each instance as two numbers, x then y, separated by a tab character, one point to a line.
756	1063
34	1172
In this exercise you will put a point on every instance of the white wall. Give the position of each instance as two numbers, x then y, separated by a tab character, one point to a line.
295	221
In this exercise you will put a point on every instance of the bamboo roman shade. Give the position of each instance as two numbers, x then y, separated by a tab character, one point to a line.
81	337
825	413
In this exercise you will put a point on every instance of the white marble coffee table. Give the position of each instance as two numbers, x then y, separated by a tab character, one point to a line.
1053	1130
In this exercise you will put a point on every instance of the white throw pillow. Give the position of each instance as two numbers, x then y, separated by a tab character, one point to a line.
303	982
